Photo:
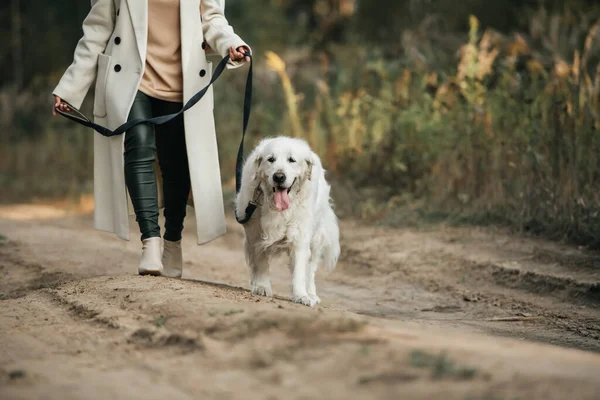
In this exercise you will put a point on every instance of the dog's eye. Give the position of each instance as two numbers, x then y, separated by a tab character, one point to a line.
291	159
271	160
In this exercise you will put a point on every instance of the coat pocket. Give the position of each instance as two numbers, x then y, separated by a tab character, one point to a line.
100	89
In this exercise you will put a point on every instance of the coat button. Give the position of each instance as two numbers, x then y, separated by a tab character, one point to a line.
117	40
118	10
202	73
117	68
203	45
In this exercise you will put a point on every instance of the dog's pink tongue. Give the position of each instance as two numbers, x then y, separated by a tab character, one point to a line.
282	199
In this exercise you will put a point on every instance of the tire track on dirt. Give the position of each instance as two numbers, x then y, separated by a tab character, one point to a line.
394	320
492	292
29	277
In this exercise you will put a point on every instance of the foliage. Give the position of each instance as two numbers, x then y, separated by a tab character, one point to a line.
511	130
467	110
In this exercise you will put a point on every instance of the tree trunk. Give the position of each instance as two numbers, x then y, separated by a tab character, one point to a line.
17	45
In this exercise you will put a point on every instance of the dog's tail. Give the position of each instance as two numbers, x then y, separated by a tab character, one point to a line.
331	251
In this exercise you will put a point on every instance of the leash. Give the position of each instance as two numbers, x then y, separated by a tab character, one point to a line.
80	118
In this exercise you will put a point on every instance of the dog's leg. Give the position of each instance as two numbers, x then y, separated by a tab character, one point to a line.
313	265
299	266
260	278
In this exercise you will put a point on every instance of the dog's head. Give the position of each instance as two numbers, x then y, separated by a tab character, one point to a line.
283	166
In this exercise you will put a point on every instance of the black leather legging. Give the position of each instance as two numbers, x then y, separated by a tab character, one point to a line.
168	141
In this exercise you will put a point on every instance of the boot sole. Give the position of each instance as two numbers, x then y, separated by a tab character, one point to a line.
170	273
151	272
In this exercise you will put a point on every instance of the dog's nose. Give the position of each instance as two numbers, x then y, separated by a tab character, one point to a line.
279	177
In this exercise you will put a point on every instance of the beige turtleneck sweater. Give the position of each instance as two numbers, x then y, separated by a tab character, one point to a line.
163	76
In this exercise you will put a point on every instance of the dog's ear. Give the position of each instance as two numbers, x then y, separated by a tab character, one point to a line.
309	166
255	167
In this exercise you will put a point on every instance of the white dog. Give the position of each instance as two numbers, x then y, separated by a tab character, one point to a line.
293	215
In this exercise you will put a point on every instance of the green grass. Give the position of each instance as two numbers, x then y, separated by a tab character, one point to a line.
226	313
233	311
160	321
441	366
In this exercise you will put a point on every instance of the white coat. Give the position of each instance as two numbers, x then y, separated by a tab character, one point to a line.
112	52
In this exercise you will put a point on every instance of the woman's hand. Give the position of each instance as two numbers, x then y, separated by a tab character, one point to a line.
60	105
238	54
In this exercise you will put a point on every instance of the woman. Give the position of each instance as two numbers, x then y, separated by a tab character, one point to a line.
148	57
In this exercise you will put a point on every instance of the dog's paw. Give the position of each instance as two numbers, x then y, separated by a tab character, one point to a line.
262	290
305	300
316	298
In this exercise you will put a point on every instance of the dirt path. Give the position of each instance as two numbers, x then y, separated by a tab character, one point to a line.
450	313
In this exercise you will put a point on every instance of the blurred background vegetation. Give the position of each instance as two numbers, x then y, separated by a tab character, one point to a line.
473	111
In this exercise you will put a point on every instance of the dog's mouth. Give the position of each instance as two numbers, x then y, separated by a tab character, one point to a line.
281	197
280	188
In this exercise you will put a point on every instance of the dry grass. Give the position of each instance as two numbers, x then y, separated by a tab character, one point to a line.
508	133
511	134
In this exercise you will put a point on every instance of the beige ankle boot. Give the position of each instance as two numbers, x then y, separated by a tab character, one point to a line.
172	259
150	263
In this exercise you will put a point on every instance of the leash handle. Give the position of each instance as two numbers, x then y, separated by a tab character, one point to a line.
247	109
239	162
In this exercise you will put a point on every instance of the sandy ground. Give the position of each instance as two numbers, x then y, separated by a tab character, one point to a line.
440	314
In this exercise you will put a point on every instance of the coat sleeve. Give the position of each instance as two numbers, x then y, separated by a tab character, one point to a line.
218	34
98	26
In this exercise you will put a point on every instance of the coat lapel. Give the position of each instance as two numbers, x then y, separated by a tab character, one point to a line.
190	19
138	10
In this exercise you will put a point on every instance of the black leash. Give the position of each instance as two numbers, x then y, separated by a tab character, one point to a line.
80	118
